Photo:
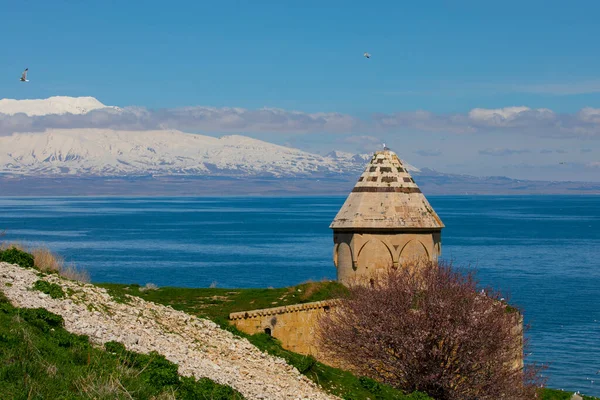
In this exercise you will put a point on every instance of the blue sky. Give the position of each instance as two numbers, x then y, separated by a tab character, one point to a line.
447	58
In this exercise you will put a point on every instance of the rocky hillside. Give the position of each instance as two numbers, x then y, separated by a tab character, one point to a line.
198	346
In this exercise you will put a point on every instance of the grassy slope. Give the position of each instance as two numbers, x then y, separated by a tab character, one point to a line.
216	304
39	359
553	394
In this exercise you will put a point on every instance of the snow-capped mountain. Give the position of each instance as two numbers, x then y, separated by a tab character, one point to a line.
103	152
52	105
361	159
108	152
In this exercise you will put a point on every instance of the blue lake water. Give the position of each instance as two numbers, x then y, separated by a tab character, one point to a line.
544	251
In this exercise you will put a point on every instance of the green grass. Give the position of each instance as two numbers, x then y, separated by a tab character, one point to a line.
339	382
39	359
15	256
51	289
216	304
553	394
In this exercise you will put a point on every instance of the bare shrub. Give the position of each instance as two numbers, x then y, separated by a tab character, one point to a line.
46	261
426	327
149	286
101	386
76	274
9	245
310	289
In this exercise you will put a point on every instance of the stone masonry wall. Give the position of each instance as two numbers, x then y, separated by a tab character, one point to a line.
293	325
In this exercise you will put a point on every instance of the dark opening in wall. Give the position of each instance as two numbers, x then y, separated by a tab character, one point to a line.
268	331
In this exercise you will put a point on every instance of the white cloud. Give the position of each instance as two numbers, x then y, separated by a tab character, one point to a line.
509	116
589	114
502	152
207	119
423	121
525	120
517	119
498	114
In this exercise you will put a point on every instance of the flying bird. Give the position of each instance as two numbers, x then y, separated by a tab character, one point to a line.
367	55
24	76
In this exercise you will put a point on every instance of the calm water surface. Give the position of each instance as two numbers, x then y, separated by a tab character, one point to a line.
544	251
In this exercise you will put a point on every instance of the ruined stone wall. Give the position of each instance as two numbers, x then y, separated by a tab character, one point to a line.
293	325
360	256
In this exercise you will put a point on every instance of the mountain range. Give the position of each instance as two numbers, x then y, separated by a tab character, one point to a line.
108	161
103	152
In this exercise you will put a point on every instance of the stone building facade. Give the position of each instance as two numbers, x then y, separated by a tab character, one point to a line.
294	325
384	222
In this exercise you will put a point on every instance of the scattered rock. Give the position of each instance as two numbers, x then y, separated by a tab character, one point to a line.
198	346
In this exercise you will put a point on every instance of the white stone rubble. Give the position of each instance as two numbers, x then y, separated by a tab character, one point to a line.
198	346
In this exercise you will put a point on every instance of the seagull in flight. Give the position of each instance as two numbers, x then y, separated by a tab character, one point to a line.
24	76
367	55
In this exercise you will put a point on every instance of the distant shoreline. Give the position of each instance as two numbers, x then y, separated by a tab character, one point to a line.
183	186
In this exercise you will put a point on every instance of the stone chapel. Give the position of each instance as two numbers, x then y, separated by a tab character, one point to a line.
385	221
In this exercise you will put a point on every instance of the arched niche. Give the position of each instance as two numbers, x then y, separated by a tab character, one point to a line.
412	250
374	256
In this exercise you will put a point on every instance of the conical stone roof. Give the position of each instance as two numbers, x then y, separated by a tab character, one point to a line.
386	197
